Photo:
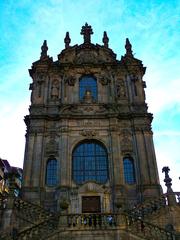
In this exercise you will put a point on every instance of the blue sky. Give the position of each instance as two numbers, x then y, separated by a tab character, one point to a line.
153	28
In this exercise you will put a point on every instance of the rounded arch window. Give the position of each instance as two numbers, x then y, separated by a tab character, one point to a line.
51	172
129	173
90	162
87	83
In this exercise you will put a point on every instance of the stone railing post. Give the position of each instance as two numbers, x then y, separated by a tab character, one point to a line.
63	220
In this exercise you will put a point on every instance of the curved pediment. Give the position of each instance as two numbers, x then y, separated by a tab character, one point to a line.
91	187
87	54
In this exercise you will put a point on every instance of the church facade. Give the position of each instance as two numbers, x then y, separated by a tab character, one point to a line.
90	168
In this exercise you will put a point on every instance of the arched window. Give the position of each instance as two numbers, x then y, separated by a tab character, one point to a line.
87	83
90	162
129	174
51	172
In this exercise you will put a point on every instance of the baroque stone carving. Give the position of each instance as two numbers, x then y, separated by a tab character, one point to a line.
88	133
104	79
70	80
52	145
91	187
86	56
126	141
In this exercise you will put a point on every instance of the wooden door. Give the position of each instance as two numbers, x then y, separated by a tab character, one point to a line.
91	204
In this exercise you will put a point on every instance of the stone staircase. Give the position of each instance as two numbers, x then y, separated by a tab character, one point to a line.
37	223
42	230
146	230
30	212
146	209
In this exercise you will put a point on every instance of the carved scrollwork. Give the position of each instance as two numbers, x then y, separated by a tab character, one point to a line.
70	80
104	79
88	133
86	57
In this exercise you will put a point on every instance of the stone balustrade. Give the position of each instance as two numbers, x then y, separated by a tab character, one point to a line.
147	230
91	220
41	230
30	212
148	208
56	223
177	196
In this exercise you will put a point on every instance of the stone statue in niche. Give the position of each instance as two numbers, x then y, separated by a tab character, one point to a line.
88	98
120	89
55	90
39	83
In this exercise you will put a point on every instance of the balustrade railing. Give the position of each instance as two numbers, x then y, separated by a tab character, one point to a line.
40	231
148	208
147	230
44	223
92	220
29	211
177	196
136	226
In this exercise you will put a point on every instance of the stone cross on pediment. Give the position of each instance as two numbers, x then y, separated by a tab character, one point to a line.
86	31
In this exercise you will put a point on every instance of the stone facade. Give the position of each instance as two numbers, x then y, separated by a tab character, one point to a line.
118	118
113	116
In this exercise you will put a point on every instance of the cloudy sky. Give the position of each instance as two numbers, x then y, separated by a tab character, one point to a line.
153	27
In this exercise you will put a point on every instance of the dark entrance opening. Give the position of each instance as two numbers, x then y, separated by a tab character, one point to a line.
91	204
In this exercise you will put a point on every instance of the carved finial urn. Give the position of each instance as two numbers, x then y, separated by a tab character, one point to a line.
128	48
105	39
170	194
67	40
44	49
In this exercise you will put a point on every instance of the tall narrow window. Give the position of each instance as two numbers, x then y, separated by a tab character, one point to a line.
87	83
90	162
51	172
129	174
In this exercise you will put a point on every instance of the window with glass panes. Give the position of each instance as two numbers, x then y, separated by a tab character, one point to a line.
51	172
129	174
90	162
